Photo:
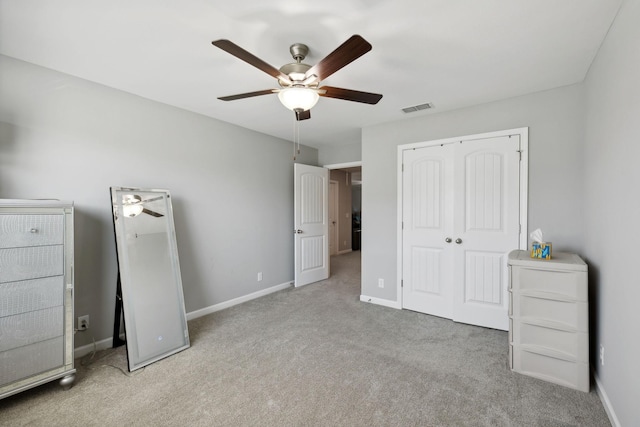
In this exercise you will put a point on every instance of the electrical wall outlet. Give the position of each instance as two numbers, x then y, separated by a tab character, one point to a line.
381	283
83	323
260	276
601	355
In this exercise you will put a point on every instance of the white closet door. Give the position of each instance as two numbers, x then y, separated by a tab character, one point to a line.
487	224
460	220
427	267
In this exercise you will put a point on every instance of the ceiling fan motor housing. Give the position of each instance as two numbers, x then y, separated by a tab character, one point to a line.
296	72
299	51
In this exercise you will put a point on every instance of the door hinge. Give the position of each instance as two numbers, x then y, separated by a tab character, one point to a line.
520	154
402	283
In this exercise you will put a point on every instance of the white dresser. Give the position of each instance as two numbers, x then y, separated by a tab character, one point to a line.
36	294
548	318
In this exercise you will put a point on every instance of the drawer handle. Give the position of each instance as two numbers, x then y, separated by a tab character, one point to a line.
34	230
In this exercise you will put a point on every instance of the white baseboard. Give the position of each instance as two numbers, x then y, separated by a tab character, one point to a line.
380	301
345	251
236	301
605	401
108	342
97	346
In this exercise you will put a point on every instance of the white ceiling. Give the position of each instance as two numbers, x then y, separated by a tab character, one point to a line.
453	53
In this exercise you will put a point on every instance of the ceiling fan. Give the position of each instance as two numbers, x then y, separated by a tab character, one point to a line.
299	83
133	205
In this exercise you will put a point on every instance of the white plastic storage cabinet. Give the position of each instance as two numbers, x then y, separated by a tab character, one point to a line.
36	294
548	318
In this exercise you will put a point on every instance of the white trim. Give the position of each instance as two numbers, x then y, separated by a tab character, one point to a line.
108	342
344	165
606	403
335	204
380	301
221	306
524	186
399	218
82	351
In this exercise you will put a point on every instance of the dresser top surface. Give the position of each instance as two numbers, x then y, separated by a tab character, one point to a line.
32	203
558	261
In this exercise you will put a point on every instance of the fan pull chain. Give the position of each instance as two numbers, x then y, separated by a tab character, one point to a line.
296	138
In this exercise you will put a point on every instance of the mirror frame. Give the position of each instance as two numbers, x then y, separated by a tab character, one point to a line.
147	346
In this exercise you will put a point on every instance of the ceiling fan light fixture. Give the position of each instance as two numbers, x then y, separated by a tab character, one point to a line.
302	98
131	205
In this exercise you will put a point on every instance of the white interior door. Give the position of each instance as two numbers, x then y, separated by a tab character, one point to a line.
460	210
487	228
311	224
333	217
427	267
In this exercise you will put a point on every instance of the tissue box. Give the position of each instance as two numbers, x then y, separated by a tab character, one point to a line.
541	250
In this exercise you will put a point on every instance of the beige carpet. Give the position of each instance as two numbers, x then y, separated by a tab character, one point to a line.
313	356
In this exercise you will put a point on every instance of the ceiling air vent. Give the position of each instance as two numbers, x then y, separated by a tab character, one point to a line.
418	108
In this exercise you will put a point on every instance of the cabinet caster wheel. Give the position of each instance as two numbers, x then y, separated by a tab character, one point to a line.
67	382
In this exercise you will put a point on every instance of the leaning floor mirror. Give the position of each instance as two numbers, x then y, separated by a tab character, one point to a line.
149	281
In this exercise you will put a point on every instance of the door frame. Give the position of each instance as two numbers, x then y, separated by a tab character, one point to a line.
333	206
523	133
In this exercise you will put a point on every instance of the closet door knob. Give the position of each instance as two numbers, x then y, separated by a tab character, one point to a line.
34	230
448	240
458	240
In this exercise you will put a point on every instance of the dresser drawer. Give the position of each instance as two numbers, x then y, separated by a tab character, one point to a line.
28	328
30	295
31	360
568	315
572	345
568	284
31	230
556	370
31	263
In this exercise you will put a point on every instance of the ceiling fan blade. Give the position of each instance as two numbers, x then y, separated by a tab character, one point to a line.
250	58
153	199
152	213
247	95
346	53
303	114
349	94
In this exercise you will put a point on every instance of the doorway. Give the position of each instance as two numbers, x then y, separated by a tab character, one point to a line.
334	193
348	177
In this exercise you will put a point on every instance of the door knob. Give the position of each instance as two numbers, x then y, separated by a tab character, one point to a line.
458	240
297	231
448	240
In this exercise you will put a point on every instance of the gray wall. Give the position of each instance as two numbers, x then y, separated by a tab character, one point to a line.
66	138
341	153
612	210
555	121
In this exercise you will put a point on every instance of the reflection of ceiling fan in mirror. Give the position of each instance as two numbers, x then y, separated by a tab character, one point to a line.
133	205
299	82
